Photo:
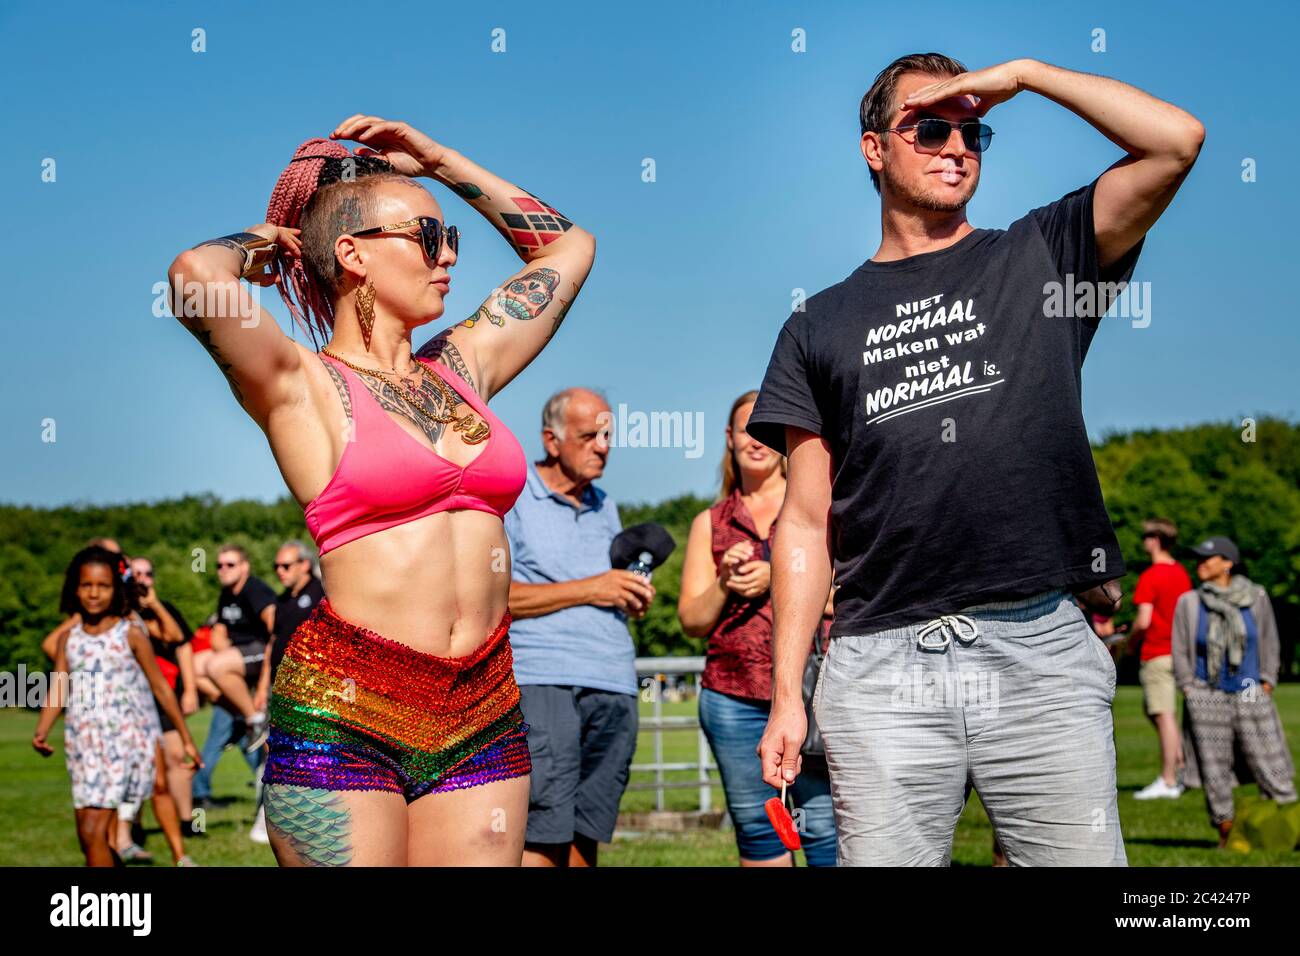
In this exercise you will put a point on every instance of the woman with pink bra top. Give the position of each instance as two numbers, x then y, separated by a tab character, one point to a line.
396	733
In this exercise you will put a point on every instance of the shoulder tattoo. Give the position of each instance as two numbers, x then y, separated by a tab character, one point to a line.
442	349
342	386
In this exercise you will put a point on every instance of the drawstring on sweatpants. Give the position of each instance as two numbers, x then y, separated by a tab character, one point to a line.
948	626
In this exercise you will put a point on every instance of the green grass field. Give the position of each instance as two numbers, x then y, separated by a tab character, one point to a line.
36	822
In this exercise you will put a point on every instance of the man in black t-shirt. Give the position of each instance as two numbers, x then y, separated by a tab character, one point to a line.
930	405
302	592
245	620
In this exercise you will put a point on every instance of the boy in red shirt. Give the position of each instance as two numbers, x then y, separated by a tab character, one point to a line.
1158	590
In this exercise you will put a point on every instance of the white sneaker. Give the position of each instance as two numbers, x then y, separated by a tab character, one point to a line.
1159	790
258	833
259	728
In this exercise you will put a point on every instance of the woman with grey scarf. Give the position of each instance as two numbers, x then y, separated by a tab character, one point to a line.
1226	655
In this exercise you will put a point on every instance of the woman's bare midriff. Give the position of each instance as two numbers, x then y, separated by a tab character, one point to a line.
440	584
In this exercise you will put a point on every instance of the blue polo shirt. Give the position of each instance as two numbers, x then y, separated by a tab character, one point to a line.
552	541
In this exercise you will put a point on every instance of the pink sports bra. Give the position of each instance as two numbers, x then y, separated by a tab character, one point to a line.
386	477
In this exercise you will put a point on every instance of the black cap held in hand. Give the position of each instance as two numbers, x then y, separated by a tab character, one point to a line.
630	542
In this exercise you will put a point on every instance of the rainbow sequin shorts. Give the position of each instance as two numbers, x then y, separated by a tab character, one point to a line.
352	710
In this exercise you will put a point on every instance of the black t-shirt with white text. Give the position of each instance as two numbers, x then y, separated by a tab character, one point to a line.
242	612
948	388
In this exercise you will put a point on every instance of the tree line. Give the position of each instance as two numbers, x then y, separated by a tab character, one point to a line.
1241	479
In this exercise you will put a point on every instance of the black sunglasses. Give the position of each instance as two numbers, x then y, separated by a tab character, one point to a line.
286	565
432	233
933	133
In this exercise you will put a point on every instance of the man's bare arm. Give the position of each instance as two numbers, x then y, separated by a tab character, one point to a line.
801	562
1161	140
535	600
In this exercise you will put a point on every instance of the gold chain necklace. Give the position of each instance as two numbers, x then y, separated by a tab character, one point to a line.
471	428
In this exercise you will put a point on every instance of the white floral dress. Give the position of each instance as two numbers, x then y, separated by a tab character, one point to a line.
110	723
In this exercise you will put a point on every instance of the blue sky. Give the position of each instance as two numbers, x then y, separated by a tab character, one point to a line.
759	189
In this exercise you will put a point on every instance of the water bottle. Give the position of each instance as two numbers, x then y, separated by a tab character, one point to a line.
643	564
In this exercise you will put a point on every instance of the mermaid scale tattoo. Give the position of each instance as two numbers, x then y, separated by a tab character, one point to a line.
316	824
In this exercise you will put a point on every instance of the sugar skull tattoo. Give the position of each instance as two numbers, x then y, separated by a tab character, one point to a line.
525	298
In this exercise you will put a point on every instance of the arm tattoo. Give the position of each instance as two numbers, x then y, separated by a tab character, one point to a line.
468	191
534	226
484	312
316	824
562	312
224	242
205	339
528	296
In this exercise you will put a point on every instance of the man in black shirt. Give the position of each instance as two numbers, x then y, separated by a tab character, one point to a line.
245	620
302	592
930	406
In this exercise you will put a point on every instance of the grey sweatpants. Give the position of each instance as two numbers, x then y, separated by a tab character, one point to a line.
1021	713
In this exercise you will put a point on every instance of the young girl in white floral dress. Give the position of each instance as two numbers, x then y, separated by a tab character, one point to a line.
105	674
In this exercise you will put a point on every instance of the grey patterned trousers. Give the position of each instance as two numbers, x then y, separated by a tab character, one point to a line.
1249	719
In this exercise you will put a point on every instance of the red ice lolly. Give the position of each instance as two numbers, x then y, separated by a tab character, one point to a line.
782	822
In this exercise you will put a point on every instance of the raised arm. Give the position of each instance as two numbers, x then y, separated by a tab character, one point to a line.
513	324
163	626
262	365
1161	140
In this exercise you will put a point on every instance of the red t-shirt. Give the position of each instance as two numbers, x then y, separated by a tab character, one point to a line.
1160	586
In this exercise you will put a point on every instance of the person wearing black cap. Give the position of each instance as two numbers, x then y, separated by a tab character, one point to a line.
1226	656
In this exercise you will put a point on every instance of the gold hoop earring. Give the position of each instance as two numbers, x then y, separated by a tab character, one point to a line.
366	311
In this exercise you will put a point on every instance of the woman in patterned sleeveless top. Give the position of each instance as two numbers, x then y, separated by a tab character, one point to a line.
726	575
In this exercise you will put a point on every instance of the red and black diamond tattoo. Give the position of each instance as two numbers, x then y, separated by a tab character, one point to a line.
535	225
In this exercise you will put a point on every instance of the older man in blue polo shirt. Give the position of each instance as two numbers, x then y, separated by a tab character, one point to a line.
574	658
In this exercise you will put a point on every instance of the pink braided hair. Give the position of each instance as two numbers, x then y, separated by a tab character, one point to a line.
311	306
